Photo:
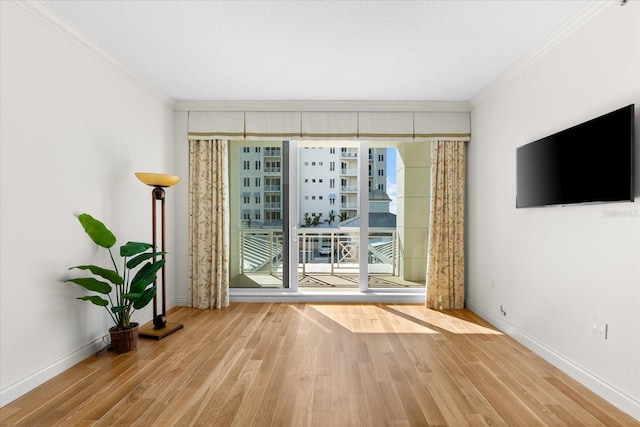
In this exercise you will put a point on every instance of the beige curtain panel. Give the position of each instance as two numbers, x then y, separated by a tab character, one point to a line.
208	285
445	257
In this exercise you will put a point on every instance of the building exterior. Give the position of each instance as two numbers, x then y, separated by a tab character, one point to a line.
328	186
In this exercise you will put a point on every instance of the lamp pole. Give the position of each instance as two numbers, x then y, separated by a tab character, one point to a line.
159	327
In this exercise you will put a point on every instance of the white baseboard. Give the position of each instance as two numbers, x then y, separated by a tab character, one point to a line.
13	391
178	302
611	394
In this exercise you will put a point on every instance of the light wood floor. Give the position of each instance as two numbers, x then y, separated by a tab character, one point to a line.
317	364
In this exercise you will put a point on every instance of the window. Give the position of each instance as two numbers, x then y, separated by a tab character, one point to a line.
380	172
246	199
313	198
320	180
306	180
381	157
246	182
272	215
313	180
258	199
332	183
381	187
313	163
306	197
245	165
332	166
258	165
257	215
258	182
332	201
258	149
332	150
319	197
246	149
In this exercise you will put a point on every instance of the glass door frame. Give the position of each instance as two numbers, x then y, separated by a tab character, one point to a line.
292	184
290	289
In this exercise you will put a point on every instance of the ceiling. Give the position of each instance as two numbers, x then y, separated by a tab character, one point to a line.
318	50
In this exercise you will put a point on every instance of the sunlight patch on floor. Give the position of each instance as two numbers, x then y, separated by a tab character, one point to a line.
371	319
399	319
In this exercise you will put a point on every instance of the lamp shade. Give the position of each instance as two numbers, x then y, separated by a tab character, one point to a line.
158	179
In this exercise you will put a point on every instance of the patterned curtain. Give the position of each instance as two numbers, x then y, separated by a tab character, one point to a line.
208	224
445	257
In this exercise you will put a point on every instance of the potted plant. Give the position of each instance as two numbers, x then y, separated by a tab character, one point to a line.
120	294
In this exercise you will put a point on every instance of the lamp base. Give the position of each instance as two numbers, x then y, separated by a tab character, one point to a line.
149	331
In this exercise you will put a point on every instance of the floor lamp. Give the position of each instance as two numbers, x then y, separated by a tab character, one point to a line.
159	327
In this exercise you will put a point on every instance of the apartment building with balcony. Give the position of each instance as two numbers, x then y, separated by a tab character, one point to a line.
328	182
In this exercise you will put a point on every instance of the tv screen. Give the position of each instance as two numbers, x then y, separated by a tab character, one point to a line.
588	163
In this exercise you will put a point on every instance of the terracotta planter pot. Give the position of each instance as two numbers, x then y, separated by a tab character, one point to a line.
124	341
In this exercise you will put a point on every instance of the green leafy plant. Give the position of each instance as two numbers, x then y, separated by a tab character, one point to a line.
307	220
119	294
332	218
316	220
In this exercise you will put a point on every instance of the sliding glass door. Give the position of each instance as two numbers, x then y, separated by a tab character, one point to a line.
329	215
258	256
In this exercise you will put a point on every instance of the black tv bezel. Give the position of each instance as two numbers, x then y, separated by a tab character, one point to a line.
631	108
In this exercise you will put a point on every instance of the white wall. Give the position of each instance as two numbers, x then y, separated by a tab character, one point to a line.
74	130
556	268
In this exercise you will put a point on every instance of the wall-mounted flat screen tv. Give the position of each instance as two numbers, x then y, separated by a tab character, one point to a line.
589	163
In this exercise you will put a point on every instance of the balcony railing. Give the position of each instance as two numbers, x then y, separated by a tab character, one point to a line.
273	205
272	169
349	154
272	188
320	251
260	251
269	152
349	188
349	172
349	206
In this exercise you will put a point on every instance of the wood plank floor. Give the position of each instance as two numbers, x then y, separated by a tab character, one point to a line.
279	364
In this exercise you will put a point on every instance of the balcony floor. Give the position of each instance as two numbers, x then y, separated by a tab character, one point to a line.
318	281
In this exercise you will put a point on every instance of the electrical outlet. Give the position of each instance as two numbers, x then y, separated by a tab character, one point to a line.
599	328
603	328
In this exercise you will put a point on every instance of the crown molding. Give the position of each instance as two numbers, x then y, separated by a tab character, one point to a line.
324	106
50	17
570	27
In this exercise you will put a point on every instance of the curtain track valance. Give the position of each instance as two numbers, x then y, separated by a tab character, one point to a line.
303	125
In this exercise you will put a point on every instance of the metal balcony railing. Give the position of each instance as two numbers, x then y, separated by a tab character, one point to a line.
350	206
349	172
270	152
349	188
261	251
